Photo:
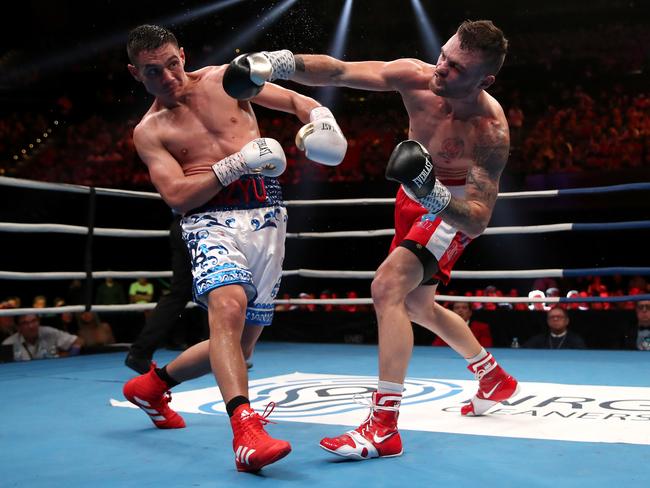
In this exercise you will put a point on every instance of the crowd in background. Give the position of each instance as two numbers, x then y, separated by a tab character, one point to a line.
576	103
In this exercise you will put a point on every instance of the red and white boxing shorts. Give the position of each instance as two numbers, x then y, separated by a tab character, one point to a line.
437	244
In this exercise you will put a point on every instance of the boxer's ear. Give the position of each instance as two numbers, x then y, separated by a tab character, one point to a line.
134	72
181	54
487	82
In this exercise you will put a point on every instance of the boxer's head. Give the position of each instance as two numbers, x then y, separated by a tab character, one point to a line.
156	60
469	60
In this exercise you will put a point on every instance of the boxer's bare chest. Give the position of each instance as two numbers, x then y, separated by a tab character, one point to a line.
450	141
205	129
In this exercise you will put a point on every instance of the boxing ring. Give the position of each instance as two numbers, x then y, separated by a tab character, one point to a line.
582	417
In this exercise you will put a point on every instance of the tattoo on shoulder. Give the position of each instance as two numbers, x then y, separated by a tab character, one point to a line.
491	151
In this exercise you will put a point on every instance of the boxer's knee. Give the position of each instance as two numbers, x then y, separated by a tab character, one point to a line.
227	308
387	287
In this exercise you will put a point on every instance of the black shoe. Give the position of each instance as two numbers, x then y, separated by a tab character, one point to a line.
138	364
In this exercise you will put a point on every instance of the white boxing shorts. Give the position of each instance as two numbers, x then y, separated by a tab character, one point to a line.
238	246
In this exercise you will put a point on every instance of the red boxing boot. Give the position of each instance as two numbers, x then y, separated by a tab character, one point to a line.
494	386
377	436
152	395
254	447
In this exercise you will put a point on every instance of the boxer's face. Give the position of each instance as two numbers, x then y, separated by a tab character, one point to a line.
459	73
161	71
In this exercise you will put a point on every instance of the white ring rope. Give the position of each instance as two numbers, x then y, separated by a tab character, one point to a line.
80	275
518	229
317	273
79	230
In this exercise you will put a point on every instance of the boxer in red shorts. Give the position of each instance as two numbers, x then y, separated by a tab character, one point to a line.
449	170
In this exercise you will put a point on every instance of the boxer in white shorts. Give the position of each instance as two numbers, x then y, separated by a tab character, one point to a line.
207	160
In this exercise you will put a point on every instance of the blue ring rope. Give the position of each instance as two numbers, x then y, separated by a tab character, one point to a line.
627	298
625	271
604	189
634	224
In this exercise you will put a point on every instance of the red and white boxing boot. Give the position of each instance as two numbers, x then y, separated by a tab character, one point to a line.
377	436
494	386
254	447
152	395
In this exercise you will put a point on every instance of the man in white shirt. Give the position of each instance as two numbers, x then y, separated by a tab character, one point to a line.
36	341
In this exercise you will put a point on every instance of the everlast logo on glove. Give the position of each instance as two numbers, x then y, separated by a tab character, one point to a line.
420	179
264	149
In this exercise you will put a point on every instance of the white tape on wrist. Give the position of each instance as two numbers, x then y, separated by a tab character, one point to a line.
230	168
283	64
438	199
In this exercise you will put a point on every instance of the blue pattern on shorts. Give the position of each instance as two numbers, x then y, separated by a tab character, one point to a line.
270	220
259	314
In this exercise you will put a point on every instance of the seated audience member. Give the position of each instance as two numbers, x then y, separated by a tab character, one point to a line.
93	331
481	330
39	301
637	335
558	335
7	322
537	305
34	341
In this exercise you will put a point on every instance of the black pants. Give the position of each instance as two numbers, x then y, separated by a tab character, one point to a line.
167	313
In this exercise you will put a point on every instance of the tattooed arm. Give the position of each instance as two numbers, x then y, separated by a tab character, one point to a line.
472	214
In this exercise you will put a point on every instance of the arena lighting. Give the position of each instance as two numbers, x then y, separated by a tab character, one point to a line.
427	32
90	48
325	95
247	33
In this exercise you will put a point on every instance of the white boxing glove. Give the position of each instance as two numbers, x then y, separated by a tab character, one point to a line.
322	139
262	156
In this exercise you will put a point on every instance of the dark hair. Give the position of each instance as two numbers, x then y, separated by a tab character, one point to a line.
561	309
484	36
146	38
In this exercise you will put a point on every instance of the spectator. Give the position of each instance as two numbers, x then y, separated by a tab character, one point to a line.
481	330
141	291
64	321
110	292
33	341
93	331
637	335
558	335
7	323
76	293
537	305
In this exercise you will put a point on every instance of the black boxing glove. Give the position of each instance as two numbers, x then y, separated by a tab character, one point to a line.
246	74
410	164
